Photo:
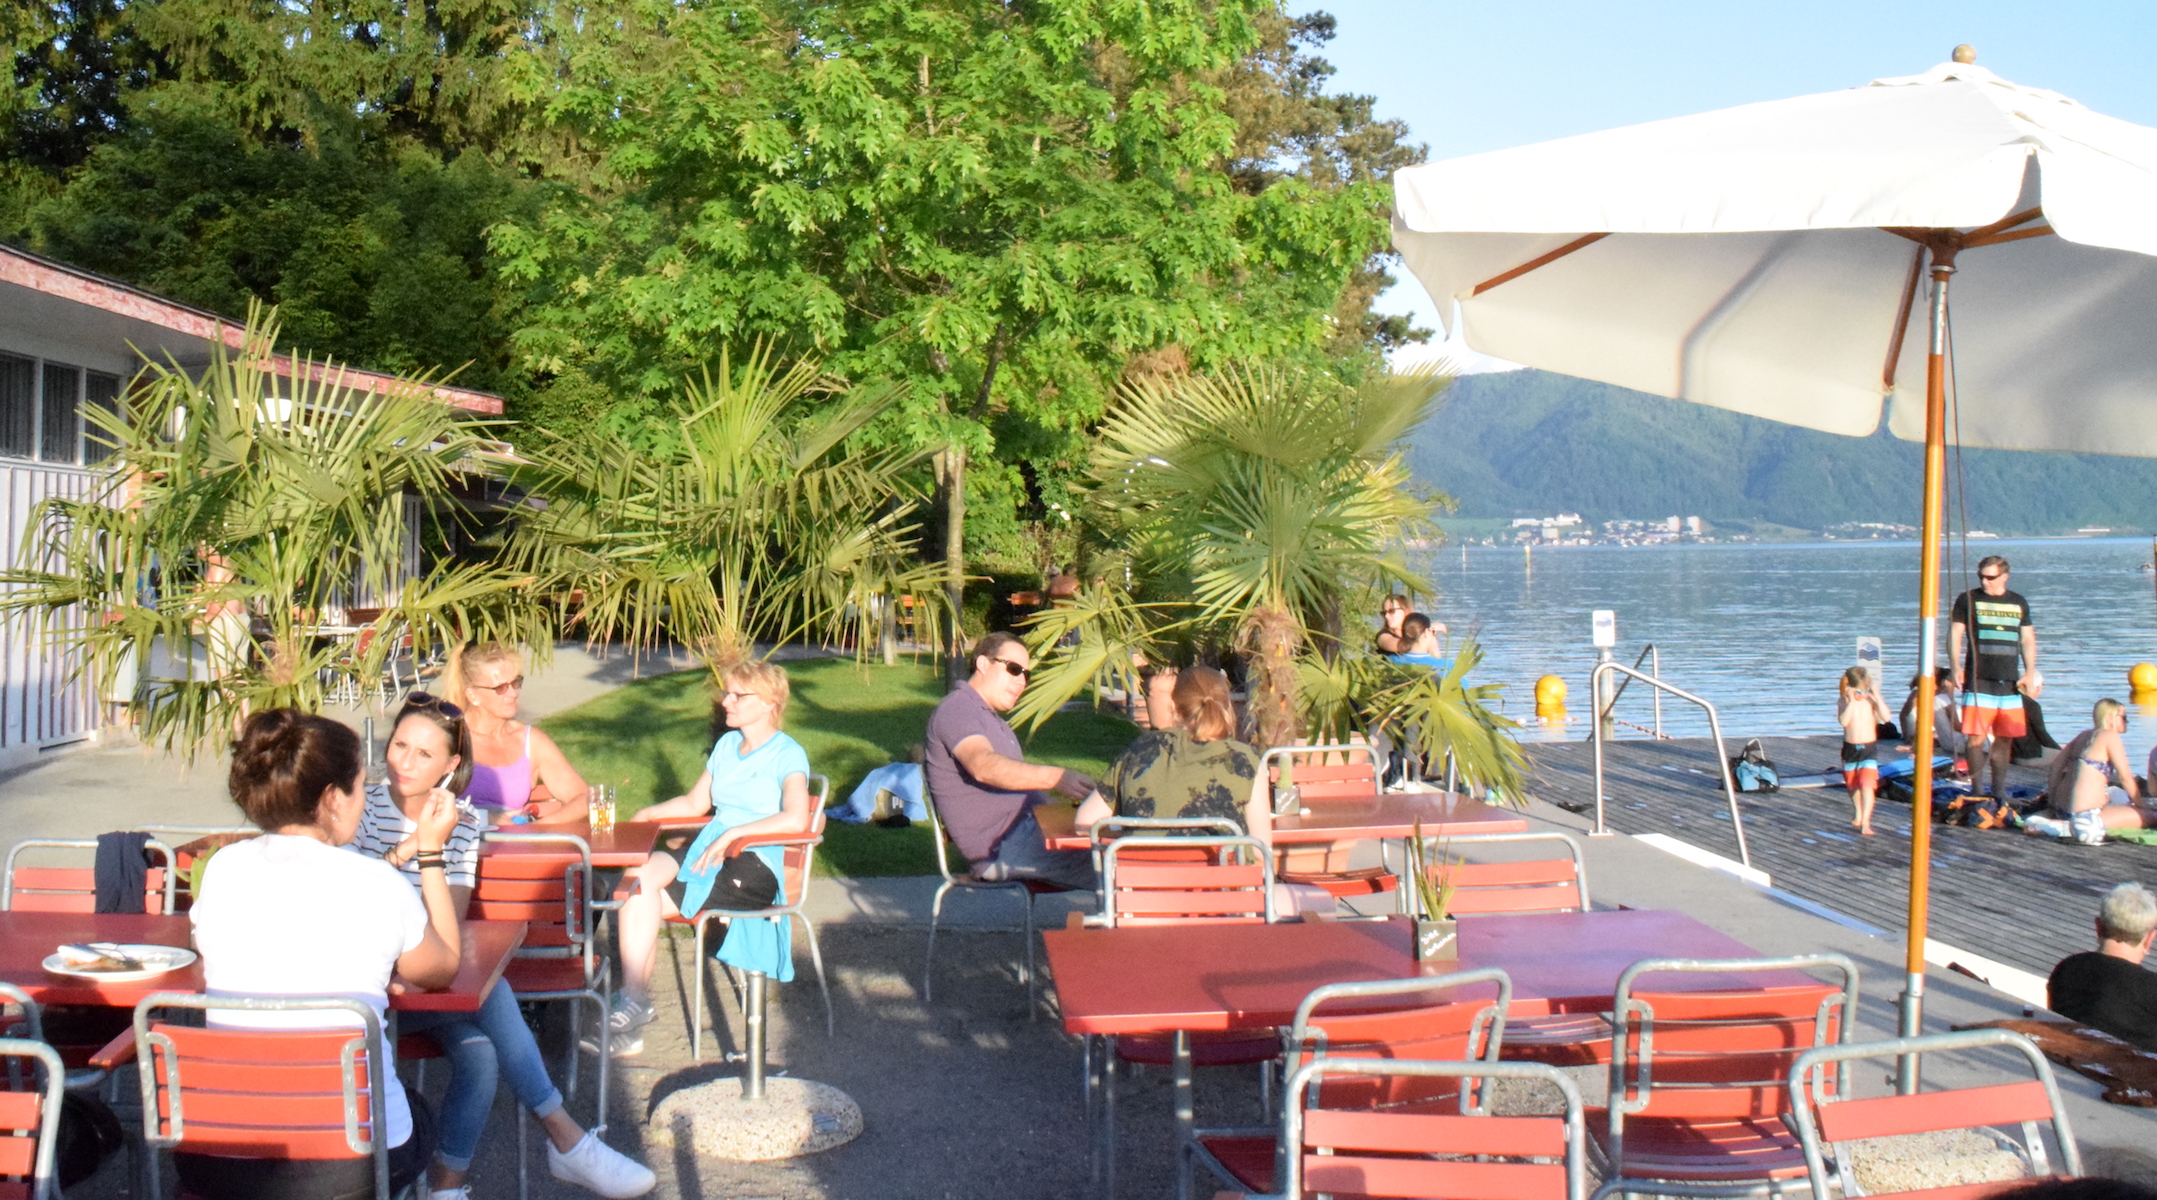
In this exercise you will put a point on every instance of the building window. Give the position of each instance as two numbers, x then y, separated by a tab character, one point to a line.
18	406
60	420
99	390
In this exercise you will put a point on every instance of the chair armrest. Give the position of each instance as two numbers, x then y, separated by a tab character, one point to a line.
117	1052
779	839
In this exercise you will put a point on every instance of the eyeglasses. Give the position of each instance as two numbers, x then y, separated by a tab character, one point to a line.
1015	669
507	685
427	700
1993	576
732	695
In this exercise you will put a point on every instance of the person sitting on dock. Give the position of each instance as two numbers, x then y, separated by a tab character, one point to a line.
2108	988
1419	642
2092	785
1947	735
1391	612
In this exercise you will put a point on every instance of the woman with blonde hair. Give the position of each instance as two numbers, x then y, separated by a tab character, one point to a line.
2092	786
755	781
510	759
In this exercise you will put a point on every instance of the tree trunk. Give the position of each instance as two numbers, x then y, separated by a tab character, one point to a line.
1270	637
954	473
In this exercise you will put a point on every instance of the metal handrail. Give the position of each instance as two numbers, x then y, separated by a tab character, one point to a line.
1715	726
1654	657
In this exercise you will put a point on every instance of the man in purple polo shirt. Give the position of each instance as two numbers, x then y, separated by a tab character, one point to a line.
983	787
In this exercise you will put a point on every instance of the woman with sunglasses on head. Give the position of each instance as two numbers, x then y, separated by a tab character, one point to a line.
755	782
510	759
429	759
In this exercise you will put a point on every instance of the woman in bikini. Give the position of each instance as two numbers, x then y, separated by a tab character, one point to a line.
1862	712
510	758
2091	765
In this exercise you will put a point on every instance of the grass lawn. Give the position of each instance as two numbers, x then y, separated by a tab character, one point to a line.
650	739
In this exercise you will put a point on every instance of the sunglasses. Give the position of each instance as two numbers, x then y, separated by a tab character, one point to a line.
427	700
1993	576
507	685
1015	669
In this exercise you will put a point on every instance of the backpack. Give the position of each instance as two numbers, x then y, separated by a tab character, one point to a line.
1753	771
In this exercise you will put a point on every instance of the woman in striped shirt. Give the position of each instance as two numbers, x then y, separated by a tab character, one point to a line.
430	749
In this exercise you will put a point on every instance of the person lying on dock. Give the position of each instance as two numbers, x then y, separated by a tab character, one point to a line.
2108	988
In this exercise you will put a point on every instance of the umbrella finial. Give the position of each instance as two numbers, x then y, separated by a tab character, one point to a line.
1965	53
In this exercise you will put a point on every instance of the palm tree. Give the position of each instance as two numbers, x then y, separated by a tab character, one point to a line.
231	519
757	516
1253	505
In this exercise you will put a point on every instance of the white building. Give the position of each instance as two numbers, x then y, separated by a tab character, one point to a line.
70	339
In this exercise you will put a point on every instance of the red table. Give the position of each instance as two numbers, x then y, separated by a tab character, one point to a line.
1163	978
1347	819
27	937
628	844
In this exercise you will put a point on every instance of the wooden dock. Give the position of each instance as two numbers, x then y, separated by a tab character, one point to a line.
2021	900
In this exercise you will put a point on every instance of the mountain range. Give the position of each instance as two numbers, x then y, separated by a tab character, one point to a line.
1531	443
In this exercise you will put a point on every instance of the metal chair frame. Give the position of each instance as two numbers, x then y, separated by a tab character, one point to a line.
1278	756
1290	1166
1114	851
1814	1107
581	930
7	883
969	882
149	1043
44	1182
1112	827
1580	862
1632	1082
795	908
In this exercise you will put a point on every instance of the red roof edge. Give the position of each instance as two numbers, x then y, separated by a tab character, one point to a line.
20	267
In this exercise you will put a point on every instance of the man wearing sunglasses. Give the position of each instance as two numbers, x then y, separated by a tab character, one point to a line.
2000	665
983	787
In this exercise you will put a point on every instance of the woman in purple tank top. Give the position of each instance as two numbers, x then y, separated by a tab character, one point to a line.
511	760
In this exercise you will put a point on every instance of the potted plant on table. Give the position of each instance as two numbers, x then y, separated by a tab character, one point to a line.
1437	934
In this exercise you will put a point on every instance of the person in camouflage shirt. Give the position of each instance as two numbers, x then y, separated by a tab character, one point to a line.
1190	768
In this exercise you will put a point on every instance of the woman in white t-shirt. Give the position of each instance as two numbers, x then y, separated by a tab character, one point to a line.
289	914
430	748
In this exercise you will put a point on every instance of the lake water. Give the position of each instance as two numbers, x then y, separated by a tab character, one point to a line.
1763	632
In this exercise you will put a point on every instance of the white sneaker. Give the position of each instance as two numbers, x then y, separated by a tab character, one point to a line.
597	1167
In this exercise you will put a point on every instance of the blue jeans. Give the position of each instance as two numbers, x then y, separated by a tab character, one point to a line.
482	1048
1023	853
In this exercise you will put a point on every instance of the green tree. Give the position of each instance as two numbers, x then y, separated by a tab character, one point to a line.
235	511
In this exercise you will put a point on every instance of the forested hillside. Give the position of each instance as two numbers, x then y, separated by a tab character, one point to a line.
1530	442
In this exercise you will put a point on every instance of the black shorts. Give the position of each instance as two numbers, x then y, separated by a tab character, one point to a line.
744	883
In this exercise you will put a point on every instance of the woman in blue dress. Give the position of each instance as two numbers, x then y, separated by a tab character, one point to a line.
755	782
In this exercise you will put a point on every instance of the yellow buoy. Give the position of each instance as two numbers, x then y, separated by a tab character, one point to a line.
2142	677
1550	690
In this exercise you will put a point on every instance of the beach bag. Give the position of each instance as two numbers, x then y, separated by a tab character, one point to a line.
1753	771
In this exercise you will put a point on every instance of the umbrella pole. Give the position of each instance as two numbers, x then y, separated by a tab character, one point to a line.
1928	626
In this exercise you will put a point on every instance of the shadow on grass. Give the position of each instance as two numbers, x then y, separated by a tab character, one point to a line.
650	737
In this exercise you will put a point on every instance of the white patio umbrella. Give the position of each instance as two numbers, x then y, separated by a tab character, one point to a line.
1766	259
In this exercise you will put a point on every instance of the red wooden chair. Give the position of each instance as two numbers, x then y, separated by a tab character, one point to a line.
306	1095
29	1119
1354	1150
1543	885
74	889
1301	774
1699	1079
797	866
545	880
1827	1122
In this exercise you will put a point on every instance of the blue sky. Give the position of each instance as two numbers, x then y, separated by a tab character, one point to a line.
1470	77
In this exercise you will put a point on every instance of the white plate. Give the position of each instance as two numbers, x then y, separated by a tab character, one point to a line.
156	960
